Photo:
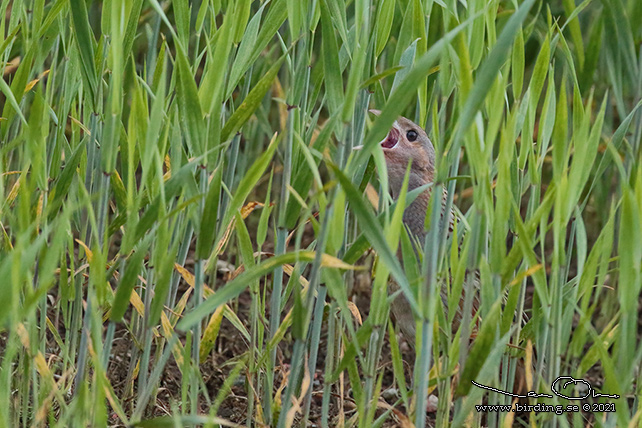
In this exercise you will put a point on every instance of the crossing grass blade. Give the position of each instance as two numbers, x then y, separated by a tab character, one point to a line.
237	285
251	102
209	219
374	233
128	281
189	106
86	45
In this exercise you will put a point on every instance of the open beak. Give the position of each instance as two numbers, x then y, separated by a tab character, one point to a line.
393	137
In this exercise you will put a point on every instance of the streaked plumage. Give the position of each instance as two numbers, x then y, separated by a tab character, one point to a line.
408	142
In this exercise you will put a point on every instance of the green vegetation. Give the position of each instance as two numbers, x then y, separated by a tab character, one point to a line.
183	215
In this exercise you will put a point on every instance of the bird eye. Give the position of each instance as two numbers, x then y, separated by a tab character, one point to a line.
412	135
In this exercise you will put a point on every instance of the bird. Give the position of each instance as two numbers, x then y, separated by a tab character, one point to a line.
407	143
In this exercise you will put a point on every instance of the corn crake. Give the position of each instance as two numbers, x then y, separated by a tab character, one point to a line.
407	143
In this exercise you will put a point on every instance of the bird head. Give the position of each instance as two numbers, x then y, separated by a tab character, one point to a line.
406	143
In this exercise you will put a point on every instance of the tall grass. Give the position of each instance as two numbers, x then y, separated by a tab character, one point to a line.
179	188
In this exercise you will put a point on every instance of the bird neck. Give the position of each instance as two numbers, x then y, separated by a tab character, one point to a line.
414	217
